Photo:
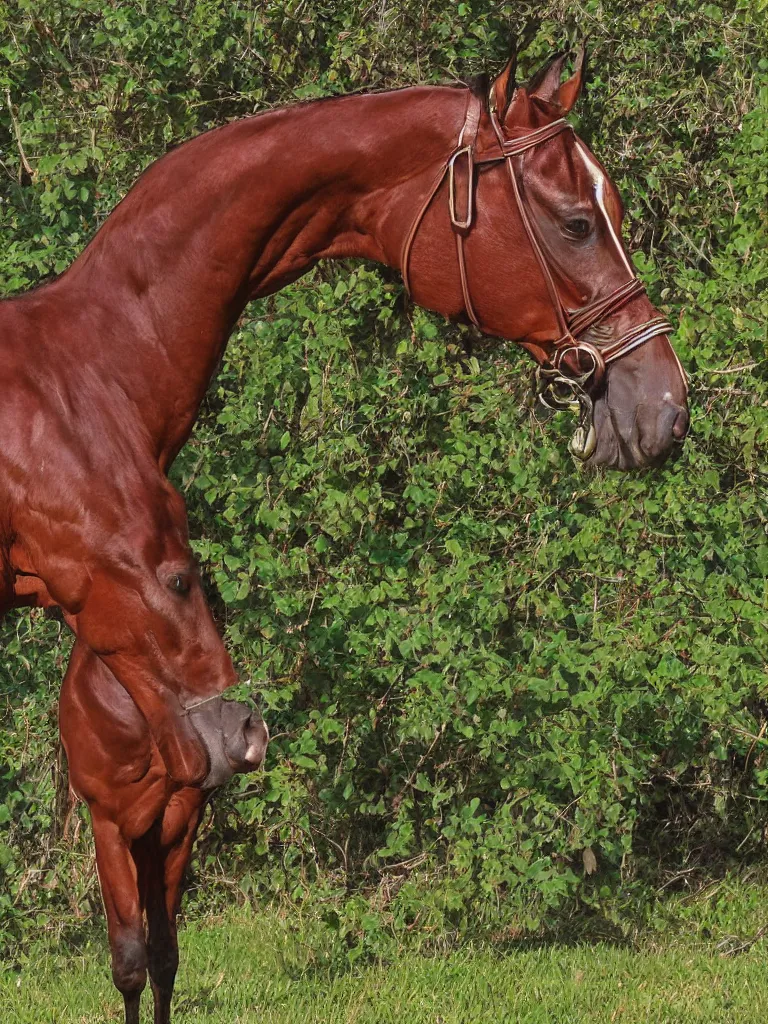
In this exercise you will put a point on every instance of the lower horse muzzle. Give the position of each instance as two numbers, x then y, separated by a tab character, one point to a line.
235	737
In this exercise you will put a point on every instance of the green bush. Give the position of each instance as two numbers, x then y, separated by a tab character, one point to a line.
499	688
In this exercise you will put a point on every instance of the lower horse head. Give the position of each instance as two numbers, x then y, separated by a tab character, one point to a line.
536	226
146	616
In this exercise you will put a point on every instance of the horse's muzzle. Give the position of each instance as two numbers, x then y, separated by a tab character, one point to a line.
644	439
257	738
681	424
235	738
660	432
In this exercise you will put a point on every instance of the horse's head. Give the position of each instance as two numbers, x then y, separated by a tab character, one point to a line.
536	225
234	736
177	611
147	617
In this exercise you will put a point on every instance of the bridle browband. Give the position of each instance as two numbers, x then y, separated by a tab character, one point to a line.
571	324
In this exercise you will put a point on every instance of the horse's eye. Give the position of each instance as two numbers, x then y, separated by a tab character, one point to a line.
178	584
579	227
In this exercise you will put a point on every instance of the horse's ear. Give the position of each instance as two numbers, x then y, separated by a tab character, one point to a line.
570	90
518	113
545	84
503	88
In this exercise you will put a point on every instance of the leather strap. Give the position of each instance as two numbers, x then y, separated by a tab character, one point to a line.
405	259
635	337
467	140
582	319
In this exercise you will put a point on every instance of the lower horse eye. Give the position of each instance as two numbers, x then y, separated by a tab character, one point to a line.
179	584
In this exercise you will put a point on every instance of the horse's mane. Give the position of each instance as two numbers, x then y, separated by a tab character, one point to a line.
477	84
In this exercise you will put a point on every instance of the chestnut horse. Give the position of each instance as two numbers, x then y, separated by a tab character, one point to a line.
494	211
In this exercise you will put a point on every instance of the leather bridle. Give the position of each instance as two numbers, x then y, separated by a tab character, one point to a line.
571	324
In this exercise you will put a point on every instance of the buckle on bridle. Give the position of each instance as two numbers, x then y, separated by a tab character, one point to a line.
461	225
576	399
597	369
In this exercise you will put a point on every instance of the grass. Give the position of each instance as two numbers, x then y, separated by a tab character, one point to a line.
249	969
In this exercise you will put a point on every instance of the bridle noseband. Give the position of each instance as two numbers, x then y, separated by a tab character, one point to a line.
571	324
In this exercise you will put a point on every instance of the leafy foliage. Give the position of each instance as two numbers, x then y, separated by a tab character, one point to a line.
497	686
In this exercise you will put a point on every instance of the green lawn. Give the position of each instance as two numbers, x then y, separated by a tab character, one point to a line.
248	969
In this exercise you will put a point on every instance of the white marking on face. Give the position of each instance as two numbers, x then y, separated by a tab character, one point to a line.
599	182
683	374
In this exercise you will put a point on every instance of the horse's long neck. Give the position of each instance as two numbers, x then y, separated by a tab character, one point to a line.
239	213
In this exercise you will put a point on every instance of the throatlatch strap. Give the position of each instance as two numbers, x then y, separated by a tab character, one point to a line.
408	245
467	141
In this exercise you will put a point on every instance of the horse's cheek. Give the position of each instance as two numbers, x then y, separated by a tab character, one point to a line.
67	581
109	615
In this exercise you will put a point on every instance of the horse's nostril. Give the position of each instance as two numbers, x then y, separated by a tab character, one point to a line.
680	426
257	738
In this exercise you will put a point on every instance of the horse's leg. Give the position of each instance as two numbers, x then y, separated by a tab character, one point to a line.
170	857
125	923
